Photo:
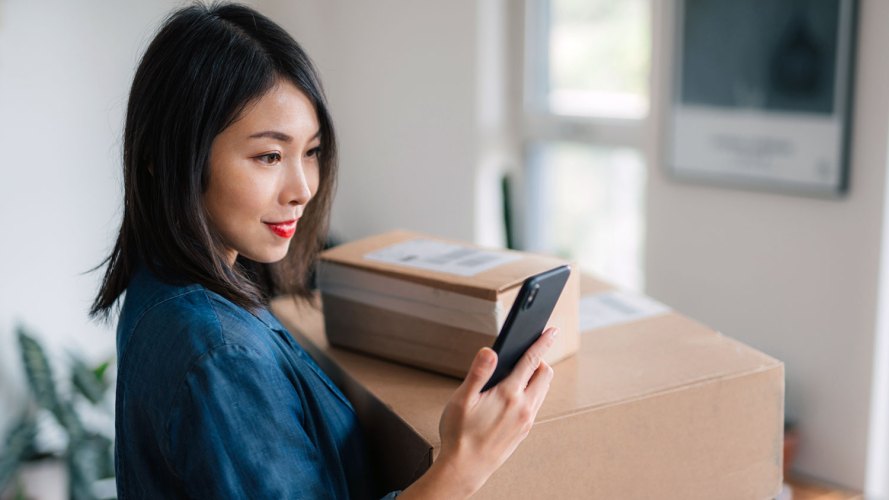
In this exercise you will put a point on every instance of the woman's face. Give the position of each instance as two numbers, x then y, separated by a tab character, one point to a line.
263	172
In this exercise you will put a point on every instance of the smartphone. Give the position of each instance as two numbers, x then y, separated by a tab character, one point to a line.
526	320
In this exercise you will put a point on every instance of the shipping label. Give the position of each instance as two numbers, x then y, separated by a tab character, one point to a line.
615	307
442	257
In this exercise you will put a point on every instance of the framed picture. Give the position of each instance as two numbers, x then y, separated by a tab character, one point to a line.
762	94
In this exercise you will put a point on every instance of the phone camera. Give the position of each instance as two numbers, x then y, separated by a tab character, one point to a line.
531	296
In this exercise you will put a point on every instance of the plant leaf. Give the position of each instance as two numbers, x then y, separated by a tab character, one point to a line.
38	371
105	456
86	382
20	491
100	370
84	457
18	443
70	421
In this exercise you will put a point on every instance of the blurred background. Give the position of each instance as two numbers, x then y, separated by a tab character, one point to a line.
449	111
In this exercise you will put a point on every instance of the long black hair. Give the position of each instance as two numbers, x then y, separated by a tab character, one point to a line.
204	66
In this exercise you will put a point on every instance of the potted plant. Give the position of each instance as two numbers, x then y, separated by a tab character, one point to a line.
88	454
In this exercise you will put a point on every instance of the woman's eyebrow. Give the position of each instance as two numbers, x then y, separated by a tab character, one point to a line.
273	134
280	136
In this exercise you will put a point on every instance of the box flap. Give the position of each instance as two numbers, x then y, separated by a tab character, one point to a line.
486	284
638	359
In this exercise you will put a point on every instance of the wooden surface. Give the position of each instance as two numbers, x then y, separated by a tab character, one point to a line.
805	489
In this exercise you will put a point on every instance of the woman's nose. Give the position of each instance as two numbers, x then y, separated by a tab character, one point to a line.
296	186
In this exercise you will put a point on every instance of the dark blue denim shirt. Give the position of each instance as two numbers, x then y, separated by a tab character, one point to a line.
214	401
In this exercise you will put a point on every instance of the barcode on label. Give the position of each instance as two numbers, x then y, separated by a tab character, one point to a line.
479	260
450	256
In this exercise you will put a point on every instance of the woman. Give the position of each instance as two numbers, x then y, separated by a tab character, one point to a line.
229	170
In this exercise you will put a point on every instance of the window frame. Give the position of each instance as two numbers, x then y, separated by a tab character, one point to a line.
539	125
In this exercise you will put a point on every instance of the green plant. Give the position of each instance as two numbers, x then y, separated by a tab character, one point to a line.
88	454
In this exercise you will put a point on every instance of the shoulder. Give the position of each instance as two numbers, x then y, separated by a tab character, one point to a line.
187	316
204	319
167	330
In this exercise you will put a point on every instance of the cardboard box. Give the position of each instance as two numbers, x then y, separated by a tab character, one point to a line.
658	406
432	303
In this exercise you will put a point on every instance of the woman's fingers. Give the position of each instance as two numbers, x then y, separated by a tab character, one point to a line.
480	372
529	362
538	386
479	433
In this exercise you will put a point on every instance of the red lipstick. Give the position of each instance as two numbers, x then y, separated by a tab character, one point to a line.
284	229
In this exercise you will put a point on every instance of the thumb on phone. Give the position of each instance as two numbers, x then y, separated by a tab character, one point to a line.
480	372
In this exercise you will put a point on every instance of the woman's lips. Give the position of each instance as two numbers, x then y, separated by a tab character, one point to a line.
284	229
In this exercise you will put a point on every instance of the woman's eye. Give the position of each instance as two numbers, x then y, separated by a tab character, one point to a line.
314	152
269	158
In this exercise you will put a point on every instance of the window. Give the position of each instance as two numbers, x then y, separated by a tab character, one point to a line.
586	105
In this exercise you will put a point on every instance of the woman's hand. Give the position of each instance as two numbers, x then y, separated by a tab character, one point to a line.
479	431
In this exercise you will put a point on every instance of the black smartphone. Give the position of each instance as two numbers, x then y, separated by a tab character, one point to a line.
526	320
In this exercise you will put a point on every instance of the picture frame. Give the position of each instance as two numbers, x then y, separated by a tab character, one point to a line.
762	94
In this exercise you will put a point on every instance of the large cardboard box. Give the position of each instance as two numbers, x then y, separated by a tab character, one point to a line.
432	303
654	405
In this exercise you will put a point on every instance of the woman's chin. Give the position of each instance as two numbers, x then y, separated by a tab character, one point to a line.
269	256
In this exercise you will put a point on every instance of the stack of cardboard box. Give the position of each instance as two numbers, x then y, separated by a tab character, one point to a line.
432	303
652	405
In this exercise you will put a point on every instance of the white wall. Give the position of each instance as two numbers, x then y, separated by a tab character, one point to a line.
795	277
65	70
877	486
401	80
